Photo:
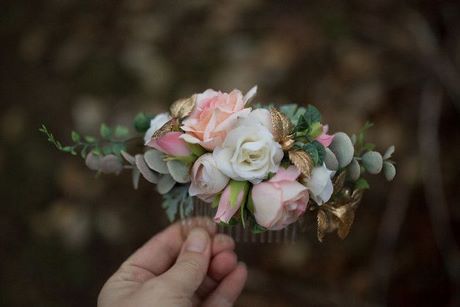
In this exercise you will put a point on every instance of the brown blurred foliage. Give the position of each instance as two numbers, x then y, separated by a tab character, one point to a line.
70	63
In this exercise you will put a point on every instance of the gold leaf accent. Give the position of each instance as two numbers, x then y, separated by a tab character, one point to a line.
302	161
282	126
339	181
171	126
338	215
183	107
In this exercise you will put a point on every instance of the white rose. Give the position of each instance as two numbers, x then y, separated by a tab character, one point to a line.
258	117
320	184
207	179
249	152
156	123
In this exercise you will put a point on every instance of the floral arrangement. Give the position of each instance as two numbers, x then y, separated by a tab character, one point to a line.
263	167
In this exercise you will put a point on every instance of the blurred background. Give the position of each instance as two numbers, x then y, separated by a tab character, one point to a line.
74	64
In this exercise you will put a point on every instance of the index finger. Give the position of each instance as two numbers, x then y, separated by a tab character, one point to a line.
160	252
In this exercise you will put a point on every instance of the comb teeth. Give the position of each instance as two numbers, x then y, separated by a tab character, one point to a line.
241	234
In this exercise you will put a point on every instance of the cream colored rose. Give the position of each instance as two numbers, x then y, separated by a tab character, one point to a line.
207	179
249	153
214	115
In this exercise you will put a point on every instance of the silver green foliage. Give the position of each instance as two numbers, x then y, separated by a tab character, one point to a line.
372	162
389	170
343	148
330	160
354	170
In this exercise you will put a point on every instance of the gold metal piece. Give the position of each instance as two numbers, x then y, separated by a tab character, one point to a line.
183	107
302	161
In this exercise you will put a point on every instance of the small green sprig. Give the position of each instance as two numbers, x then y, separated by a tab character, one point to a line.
113	141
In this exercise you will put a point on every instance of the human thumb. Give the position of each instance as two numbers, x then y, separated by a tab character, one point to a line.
191	266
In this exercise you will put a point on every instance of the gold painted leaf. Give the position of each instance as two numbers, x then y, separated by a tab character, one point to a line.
322	220
171	126
339	181
183	107
302	161
282	126
338	215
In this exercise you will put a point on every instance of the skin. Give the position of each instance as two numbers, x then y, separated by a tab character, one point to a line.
180	266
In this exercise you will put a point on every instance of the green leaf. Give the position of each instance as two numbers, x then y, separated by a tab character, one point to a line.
142	122
321	152
90	139
105	131
256	229
175	200
67	149
196	149
369	147
216	201
316	151
250	204
75	137
107	150
315	130
237	187
362	184
312	115
117	148
121	132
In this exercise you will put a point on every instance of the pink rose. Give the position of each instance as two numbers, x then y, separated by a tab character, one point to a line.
325	139
171	144
214	115
226	209
207	179
281	200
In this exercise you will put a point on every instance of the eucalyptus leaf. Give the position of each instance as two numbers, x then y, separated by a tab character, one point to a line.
75	137
105	131
111	164
136	175
372	162
142	122
354	170
130	159
362	184
179	171
389	152
343	149
145	170
93	161
330	160
121	132
165	184
155	160
389	170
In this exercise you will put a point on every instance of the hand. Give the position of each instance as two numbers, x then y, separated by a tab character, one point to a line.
179	268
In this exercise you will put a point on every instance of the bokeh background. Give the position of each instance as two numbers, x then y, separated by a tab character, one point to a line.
76	63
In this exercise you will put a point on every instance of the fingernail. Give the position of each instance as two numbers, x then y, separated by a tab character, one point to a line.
197	240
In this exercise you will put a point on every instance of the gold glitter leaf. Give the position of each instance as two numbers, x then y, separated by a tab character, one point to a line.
171	126
183	107
282	126
338	215
302	161
339	181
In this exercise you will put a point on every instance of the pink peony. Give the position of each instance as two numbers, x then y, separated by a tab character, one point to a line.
325	139
171	144
214	115
281	200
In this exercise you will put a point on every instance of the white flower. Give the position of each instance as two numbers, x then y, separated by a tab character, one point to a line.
258	117
207	179
156	123
320	184
249	152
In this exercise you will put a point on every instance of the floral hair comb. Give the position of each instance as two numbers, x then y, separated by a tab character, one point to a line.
256	170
